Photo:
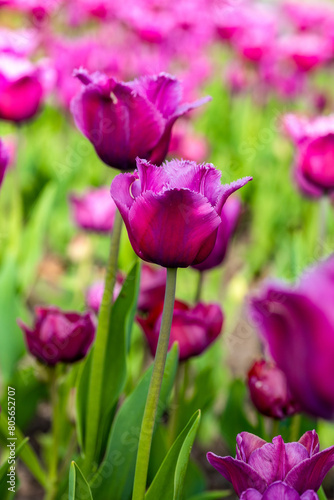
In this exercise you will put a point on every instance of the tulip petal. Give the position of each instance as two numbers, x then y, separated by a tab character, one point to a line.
172	228
124	126
251	494
311	442
280	491
163	90
269	460
309	474
228	189
246	444
240	474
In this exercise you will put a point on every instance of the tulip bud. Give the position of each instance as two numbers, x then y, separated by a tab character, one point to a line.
59	337
94	210
269	390
194	329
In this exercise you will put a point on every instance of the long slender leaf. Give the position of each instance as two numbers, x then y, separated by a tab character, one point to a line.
114	479
78	486
169	480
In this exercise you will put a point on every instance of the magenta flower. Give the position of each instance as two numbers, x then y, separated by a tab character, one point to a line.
94	210
4	160
21	90
152	287
59	337
278	491
269	390
298	325
229	216
194	329
126	120
258	465
172	213
314	139
306	51
185	143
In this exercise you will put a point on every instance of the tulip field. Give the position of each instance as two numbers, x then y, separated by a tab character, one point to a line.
166	250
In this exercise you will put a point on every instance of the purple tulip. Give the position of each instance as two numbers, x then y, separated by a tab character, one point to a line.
94	210
269	390
21	90
172	212
314	139
59	337
306	51
298	325
229	217
4	160
152	287
126	120
259	464
194	329
278	491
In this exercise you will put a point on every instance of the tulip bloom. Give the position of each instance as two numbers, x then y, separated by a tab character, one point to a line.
306	51
94	210
152	287
59	337
172	213
4	160
126	120
298	325
21	90
229	216
259	465
314	139
194	329
278	491
269	390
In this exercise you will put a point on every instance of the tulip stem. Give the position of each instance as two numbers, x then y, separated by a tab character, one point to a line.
53	467
321	494
323	219
275	428
147	427
99	351
199	286
295	427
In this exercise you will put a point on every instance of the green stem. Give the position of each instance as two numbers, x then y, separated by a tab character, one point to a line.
152	401
53	468
321	494
295	428
98	354
323	219
275	427
199	286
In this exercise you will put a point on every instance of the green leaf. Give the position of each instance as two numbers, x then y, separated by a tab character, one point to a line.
234	420
116	472
11	338
169	481
212	495
114	377
78	486
28	455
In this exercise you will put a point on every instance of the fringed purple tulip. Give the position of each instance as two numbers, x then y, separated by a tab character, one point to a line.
229	216
4	160
126	120
314	139
278	491
193	328
259	465
94	210
298	325
152	287
269	390
21	88
172	213
59	337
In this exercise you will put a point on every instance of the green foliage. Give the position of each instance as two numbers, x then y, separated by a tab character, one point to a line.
169	481
78	487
